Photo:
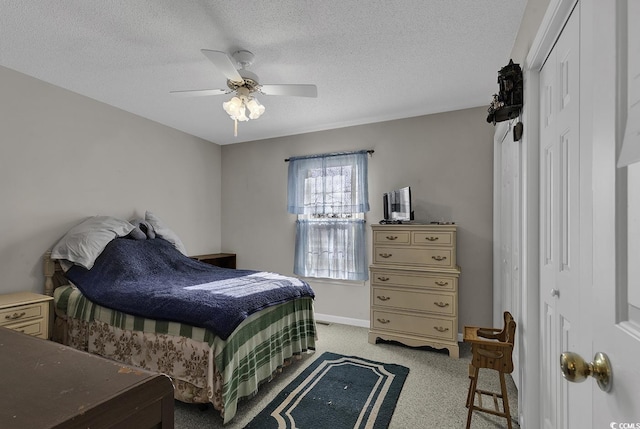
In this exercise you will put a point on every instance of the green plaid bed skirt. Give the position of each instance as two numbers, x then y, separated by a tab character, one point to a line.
203	367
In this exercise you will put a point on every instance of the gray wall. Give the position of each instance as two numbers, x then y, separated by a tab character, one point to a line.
533	15
446	158
64	157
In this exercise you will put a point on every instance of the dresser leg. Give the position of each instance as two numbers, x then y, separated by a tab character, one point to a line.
454	352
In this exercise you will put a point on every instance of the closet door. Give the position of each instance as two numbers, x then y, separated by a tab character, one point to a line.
507	233
563	327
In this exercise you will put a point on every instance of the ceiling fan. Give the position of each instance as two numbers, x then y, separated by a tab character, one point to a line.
245	84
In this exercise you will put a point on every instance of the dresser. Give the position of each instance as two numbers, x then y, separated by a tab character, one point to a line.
414	286
48	385
26	312
223	260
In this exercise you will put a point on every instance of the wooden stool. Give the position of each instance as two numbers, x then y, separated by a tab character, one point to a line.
492	348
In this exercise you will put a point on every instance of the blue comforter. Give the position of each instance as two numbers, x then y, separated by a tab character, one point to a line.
150	278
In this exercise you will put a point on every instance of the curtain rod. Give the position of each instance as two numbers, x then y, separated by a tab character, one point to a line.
370	151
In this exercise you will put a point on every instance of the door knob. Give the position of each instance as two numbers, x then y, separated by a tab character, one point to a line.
576	369
555	292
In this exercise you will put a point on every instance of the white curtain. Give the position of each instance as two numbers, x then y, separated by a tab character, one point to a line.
330	195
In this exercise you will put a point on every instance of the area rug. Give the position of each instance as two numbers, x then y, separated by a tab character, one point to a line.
337	392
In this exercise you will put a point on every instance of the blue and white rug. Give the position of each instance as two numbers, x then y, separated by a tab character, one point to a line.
337	392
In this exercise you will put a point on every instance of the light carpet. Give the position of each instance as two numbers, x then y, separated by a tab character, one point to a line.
433	396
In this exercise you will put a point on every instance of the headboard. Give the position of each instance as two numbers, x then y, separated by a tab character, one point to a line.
53	274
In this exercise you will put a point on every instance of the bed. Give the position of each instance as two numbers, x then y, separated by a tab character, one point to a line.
208	359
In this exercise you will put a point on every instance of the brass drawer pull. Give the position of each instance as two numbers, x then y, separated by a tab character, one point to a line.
383	298
385	255
431	238
440	329
442	304
385	321
383	279
442	283
15	316
391	237
439	258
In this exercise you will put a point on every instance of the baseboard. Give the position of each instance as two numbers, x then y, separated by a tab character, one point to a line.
327	318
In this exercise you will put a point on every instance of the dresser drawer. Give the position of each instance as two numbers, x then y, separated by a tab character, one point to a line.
26	312
440	328
34	328
408	278
20	313
428	257
398	238
428	238
431	302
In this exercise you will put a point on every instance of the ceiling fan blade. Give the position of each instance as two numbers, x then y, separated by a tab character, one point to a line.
294	90
199	92
223	63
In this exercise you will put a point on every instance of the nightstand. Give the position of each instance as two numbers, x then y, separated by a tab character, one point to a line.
223	260
26	312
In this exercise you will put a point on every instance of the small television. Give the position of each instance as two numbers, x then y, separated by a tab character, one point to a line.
397	206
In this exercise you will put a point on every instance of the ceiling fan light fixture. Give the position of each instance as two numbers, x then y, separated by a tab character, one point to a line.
237	108
255	108
245	83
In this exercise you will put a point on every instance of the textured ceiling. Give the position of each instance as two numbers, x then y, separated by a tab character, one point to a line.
371	60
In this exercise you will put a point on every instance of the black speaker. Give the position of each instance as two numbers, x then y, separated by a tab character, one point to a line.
385	203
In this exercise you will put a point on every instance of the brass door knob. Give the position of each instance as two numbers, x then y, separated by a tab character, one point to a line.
576	369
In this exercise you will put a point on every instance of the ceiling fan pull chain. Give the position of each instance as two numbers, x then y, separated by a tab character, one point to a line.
235	128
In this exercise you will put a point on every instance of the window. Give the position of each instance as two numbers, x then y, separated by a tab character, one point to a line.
329	193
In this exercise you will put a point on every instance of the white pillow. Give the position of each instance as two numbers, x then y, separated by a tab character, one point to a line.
163	231
83	243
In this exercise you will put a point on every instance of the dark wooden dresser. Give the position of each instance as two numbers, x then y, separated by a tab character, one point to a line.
48	385
223	260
